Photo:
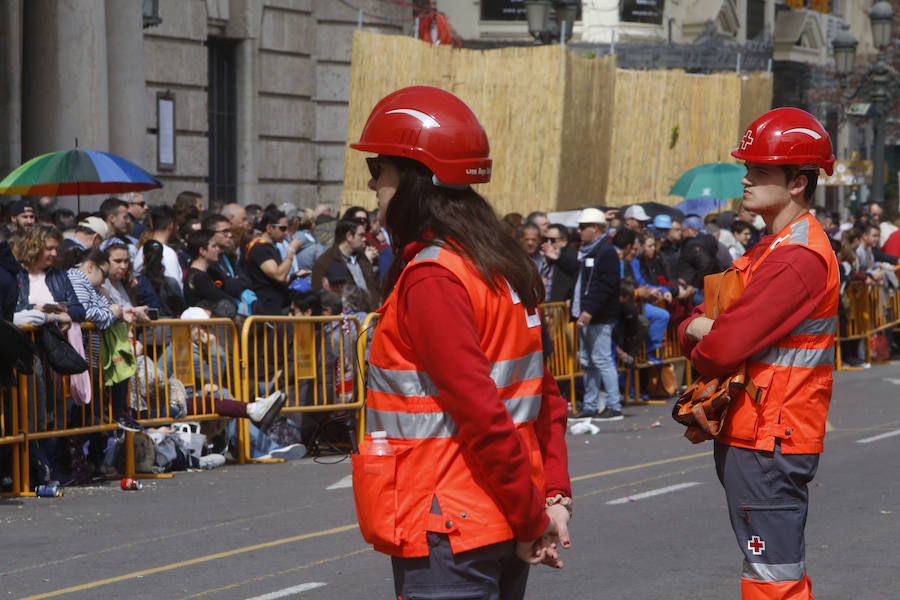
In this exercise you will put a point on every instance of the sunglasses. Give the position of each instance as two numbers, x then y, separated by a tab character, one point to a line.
281	227
102	270
552	240
374	166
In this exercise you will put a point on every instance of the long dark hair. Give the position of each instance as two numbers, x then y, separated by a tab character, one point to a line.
153	265
461	218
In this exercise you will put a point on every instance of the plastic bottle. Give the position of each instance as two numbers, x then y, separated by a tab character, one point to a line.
380	445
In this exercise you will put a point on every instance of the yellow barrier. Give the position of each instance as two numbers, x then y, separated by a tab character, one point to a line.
562	361
320	363
866	311
311	359
668	353
43	407
362	358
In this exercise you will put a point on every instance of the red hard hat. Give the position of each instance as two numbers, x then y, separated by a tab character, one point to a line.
787	136
433	127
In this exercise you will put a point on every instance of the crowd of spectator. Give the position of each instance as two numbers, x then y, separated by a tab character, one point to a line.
127	265
626	278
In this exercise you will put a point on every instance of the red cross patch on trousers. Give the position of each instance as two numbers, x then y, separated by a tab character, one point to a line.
756	545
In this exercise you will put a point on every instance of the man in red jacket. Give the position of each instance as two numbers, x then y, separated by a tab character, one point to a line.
782	329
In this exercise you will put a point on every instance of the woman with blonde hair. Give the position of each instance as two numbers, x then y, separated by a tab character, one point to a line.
45	293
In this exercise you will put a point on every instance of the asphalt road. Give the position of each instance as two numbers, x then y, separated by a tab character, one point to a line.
650	522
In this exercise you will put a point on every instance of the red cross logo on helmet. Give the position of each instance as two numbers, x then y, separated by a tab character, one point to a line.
747	140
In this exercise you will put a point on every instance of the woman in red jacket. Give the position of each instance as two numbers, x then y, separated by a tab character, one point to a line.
477	484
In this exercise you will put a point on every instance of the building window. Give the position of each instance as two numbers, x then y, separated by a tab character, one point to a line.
222	104
756	18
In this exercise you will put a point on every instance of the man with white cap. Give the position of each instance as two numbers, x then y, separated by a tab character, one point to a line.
636	218
86	235
595	308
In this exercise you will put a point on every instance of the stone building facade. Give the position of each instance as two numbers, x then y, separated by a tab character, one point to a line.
259	89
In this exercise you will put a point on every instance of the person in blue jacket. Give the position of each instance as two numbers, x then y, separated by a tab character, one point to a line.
45	294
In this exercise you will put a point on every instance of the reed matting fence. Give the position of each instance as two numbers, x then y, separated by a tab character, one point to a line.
565	131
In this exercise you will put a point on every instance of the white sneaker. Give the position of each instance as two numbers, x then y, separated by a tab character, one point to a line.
211	461
291	452
264	410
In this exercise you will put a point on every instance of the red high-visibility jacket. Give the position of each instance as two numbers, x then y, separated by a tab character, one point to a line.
794	374
394	494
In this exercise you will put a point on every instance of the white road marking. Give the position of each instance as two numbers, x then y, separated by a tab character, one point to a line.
651	493
875	438
893	380
289	591
343	483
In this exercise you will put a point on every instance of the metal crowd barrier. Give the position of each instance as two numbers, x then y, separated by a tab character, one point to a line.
200	354
313	360
867	310
319	362
362	358
562	360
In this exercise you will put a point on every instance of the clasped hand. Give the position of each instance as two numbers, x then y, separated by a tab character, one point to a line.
545	549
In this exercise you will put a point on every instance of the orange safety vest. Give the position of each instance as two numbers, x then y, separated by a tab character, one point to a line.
794	374
394	494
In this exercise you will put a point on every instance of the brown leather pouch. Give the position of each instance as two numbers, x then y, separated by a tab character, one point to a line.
704	405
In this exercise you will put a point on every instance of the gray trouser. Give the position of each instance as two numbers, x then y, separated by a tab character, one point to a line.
488	573
767	502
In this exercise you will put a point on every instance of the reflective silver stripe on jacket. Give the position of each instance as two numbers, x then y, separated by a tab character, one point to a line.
800	232
507	372
417	383
816	327
429	253
413	384
785	572
795	357
439	424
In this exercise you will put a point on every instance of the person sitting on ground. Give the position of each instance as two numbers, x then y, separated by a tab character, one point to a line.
207	393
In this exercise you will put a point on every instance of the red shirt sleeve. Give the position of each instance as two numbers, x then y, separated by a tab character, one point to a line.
785	289
437	320
551	432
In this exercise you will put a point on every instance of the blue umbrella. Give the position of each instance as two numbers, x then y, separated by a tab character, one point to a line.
699	206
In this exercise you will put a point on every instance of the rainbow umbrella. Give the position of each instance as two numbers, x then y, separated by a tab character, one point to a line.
76	172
